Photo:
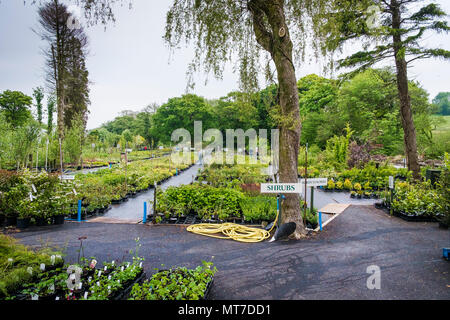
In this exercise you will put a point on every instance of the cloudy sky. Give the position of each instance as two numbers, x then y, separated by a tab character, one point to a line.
130	66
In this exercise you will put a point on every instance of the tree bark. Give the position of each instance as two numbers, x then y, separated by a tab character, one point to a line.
278	43
409	129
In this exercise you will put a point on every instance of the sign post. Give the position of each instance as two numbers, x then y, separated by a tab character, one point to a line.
391	187
283	188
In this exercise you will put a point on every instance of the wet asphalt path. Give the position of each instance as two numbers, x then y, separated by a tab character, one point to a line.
329	265
133	209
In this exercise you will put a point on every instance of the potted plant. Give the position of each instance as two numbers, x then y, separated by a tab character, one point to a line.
347	185
26	210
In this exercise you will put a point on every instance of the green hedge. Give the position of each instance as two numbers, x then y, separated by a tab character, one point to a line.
203	200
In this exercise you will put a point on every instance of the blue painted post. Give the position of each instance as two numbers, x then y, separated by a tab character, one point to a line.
79	210
177	172
320	220
144	221
278	210
110	165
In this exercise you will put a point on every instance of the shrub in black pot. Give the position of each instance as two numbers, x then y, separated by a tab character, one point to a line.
59	219
10	221
40	221
23	222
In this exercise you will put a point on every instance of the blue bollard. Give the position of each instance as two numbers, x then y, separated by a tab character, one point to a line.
320	220
144	221
79	210
177	172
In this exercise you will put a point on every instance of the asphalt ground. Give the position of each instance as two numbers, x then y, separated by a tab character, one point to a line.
328	265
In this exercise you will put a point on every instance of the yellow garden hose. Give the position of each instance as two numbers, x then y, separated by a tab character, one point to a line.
232	231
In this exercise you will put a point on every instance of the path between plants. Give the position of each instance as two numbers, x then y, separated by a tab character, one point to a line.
132	211
329	265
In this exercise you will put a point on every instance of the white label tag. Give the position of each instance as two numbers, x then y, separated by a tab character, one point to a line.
391	182
86	295
42	266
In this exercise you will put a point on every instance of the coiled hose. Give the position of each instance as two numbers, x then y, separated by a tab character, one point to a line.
232	231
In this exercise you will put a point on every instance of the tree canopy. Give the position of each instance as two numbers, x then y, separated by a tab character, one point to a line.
16	107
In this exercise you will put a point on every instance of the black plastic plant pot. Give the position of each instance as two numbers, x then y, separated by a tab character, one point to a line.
443	225
10	221
23	223
58	220
41	222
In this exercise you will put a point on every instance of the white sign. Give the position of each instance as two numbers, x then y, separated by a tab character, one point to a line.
64	177
391	182
281	188
317	182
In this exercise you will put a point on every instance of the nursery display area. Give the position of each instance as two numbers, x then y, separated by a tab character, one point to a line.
222	193
43	275
40	198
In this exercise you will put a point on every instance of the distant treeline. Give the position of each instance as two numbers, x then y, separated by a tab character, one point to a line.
368	103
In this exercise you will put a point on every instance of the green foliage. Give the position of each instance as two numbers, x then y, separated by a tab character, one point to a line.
19	265
417	199
259	208
181	113
337	149
38	94
73	141
34	195
444	191
51	103
200	199
442	103
176	284
16	107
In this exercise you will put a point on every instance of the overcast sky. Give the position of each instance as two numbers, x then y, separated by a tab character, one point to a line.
129	62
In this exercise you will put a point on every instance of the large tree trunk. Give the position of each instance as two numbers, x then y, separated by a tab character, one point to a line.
278	43
409	129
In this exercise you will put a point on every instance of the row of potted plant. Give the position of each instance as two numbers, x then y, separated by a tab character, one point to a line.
27	197
215	200
369	178
111	186
176	284
421	201
19	264
30	275
418	199
233	176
